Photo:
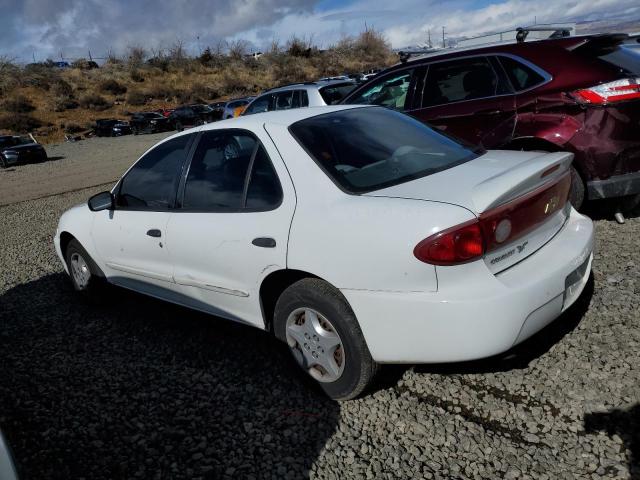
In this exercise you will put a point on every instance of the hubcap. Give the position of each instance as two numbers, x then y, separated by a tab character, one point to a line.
80	270
315	344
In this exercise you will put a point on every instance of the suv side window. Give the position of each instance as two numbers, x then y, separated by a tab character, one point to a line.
151	183
457	80
284	100
304	98
259	105
521	76
223	163
389	91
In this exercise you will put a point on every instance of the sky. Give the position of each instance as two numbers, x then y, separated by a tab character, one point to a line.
43	29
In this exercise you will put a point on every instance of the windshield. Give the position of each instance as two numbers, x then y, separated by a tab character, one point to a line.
366	149
334	93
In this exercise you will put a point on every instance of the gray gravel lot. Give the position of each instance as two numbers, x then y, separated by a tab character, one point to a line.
134	387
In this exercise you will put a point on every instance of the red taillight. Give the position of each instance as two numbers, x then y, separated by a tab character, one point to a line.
618	91
471	240
459	244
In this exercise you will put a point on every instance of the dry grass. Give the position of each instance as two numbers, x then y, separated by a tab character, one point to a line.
143	81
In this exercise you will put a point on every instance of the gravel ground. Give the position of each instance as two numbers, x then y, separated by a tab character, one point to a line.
138	388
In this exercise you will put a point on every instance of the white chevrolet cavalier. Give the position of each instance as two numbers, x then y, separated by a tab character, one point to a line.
357	235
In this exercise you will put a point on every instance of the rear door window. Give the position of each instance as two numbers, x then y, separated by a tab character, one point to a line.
458	80
230	171
284	100
522	77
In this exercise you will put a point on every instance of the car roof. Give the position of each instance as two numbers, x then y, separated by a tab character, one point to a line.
278	117
512	46
308	85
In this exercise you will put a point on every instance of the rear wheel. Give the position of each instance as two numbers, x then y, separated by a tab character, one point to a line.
322	332
3	162
179	126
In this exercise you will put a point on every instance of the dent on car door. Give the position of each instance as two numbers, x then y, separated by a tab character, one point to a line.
131	239
468	98
232	227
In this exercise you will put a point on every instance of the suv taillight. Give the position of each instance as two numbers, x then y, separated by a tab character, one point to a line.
618	91
469	241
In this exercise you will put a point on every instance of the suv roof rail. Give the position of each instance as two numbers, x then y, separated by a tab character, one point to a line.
404	55
558	31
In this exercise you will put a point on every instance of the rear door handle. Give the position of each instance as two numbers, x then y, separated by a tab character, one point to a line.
154	232
264	242
488	112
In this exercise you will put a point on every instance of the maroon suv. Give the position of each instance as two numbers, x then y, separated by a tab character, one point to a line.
580	94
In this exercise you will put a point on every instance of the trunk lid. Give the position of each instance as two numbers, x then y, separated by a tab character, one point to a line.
529	189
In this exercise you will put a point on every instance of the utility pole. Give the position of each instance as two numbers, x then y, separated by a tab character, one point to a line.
443	45
429	33
33	54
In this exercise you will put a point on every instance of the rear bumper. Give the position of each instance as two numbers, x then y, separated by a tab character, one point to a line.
616	186
475	314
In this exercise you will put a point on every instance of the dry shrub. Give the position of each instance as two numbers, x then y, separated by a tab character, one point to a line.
113	87
62	88
9	73
18	104
19	123
71	127
135	97
136	76
62	103
84	64
40	75
93	101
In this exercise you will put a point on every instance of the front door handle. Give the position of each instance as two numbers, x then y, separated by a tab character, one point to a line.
264	242
154	232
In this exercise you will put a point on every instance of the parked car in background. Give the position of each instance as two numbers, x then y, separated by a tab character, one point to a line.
356	235
16	149
111	127
165	112
579	94
234	108
217	109
191	115
298	95
149	122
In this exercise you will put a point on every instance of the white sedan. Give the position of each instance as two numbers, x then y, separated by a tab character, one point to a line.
357	235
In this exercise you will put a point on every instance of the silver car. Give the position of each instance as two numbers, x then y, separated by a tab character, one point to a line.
298	95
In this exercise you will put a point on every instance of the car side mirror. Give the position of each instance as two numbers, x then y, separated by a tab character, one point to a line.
101	201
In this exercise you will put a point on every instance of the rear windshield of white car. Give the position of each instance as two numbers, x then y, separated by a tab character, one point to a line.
366	149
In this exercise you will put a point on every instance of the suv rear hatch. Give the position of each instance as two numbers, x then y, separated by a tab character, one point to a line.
519	198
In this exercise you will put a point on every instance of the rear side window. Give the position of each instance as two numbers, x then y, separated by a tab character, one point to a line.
152	182
522	77
333	94
366	149
284	100
458	80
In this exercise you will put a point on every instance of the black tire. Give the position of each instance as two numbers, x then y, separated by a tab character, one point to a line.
359	368
577	192
179	126
95	283
135	130
3	162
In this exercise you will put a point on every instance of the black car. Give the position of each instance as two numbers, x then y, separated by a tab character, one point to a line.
150	122
191	116
111	127
15	149
217	109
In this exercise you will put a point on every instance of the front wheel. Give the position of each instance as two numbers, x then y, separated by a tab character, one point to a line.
315	321
81	269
